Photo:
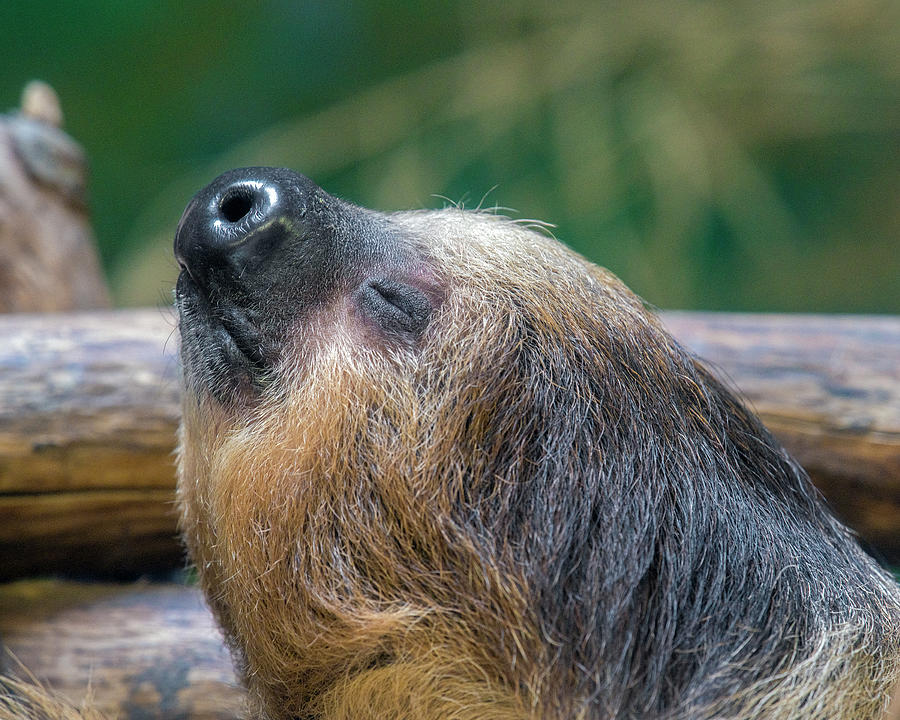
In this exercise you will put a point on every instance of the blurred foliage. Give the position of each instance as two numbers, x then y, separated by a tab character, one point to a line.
723	155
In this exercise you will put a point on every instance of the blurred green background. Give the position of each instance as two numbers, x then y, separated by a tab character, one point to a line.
732	155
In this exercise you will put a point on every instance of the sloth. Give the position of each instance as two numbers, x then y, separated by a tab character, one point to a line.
433	464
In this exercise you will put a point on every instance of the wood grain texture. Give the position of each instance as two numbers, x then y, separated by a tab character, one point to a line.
88	411
87	400
119	533
145	651
89	408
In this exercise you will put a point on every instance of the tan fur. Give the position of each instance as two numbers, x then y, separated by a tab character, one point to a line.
837	680
252	489
893	711
266	497
324	516
28	700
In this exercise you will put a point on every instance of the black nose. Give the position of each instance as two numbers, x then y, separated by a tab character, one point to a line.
238	220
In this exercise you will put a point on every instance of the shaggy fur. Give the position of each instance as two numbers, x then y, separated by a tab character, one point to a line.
434	465
28	700
539	506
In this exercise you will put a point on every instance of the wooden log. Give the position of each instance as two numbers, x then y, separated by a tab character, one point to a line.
48	259
89	405
88	411
145	651
88	401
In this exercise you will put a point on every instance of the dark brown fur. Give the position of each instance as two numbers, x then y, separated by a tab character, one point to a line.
540	506
435	465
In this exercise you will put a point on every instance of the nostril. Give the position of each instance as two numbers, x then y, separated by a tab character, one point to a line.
236	203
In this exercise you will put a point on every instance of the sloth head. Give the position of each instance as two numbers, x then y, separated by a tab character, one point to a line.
437	449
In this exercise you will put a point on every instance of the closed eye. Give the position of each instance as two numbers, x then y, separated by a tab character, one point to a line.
397	307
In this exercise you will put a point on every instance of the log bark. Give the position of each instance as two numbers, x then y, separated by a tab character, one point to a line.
145	651
88	411
89	406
